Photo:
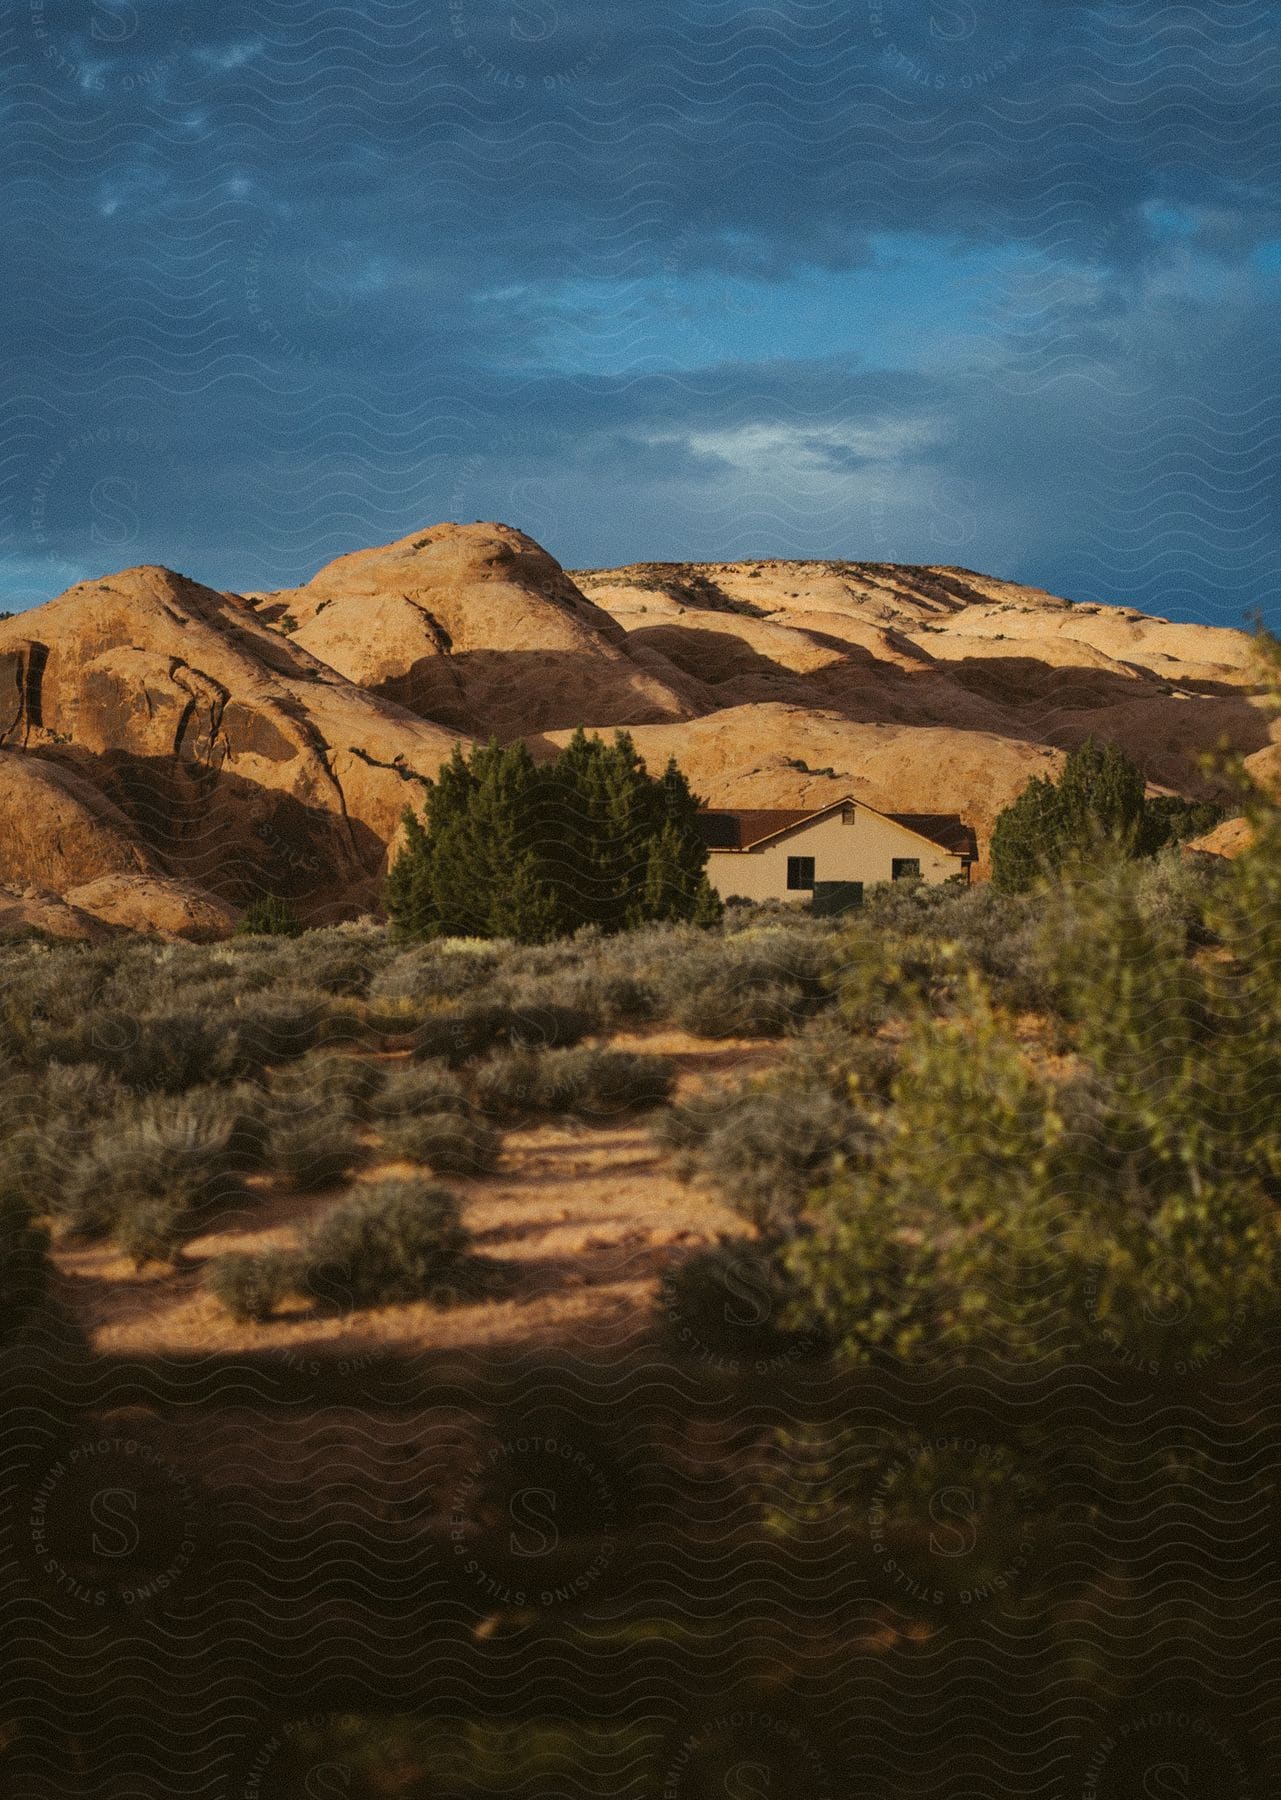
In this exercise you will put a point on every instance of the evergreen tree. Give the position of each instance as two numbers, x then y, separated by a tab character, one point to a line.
512	889
1100	797
269	916
676	884
1095	808
511	849
1024	835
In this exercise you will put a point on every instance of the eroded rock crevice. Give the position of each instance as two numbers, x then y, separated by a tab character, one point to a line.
21	691
198	736
397	765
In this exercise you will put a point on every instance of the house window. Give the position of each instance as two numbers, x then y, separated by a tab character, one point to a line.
800	871
905	868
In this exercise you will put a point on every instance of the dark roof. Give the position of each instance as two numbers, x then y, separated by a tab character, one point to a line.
741	830
948	830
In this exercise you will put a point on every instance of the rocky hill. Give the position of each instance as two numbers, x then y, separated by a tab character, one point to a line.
153	730
926	689
476	627
168	751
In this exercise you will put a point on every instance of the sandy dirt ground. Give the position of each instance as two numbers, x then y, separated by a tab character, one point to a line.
585	1217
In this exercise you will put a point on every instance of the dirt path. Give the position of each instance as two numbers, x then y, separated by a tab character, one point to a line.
586	1216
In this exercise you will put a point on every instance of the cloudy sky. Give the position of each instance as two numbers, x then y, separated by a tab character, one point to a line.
982	283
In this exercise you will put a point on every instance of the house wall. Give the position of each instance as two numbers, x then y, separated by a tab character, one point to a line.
861	851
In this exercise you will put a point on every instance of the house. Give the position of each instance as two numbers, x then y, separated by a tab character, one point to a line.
840	848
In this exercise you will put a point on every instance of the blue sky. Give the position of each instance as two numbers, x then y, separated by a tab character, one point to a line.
908	280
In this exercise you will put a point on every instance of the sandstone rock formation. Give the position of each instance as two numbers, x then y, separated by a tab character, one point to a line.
924	688
167	752
36	909
156	904
234	759
1228	839
58	828
478	628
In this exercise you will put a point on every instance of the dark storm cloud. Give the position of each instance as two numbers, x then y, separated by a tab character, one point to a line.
978	283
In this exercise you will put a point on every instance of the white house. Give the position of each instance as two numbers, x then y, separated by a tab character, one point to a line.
775	855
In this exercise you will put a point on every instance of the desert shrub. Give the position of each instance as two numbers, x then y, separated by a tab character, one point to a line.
395	1019
153	1229
349	1085
446	970
465	1032
583	1080
853	1066
24	1259
255	965
915	941
763	1147
450	1143
391	1241
1122	1204
734	1300
48	990
907	1251
537	1023
310	1146
1179	892
160	1053
554	1010
344	969
685	1126
720	1009
275	1028
1011	1215
151	1183
430	1087
756	983
66	1102
269	916
231	1120
621	997
251	1285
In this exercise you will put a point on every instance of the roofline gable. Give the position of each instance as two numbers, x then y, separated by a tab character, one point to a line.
821	813
796	825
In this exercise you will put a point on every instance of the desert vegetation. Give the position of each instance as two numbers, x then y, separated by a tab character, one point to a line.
157	1092
513	849
1097	806
988	1144
997	1125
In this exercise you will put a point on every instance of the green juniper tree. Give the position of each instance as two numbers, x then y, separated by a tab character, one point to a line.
269	916
1096	806
509	848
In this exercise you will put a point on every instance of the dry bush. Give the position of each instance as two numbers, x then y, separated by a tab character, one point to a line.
429	1087
464	1032
252	1285
311	1145
734	1300
762	1146
448	970
757	983
392	1241
348	1085
449	1143
590	1082
158	1053
280	1027
152	1183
